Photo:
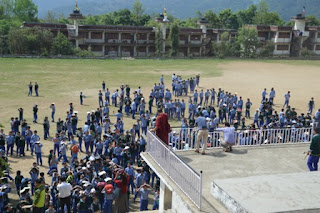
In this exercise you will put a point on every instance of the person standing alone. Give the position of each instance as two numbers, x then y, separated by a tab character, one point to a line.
314	151
36	88
30	89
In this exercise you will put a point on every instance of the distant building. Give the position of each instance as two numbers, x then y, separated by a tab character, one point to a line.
132	41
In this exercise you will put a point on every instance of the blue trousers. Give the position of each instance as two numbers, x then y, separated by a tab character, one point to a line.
107	206
313	163
52	116
143	205
28	139
56	147
39	158
10	147
21	149
35	117
80	144
155	206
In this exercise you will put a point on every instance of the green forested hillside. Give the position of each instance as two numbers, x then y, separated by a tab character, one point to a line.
179	8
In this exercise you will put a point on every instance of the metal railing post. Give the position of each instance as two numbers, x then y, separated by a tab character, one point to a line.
200	190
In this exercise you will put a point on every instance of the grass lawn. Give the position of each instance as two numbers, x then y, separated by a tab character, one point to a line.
61	81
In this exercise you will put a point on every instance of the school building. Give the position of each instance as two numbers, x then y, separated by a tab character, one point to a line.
140	41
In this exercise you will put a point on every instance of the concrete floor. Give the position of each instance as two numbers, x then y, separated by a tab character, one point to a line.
275	193
246	161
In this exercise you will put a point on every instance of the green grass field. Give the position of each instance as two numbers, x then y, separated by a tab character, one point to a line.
61	81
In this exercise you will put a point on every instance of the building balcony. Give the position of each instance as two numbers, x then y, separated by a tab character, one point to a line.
281	40
94	41
113	41
299	33
281	52
315	40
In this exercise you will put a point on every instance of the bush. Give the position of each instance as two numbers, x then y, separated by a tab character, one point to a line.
82	53
267	49
62	46
305	52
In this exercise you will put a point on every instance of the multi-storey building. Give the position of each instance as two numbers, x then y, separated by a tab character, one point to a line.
132	41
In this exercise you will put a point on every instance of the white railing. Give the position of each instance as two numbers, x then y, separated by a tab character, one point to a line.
188	180
185	138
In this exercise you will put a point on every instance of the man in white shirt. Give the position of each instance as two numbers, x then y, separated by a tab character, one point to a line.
229	140
65	190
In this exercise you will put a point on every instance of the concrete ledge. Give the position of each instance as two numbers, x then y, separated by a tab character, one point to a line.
232	205
292	192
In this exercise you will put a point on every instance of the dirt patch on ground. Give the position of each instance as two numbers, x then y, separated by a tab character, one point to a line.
249	79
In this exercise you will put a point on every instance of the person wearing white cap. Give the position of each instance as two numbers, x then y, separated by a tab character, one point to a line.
53	111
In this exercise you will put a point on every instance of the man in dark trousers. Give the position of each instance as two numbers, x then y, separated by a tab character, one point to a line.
65	190
314	151
36	88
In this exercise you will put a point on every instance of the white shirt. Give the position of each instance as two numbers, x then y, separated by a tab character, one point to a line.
64	189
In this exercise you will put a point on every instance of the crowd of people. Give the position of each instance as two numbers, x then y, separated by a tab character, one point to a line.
112	170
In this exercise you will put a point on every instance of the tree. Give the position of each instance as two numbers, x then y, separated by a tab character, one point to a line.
212	18
158	40
174	39
248	41
7	6
50	17
61	45
137	15
263	17
313	21
228	19
17	41
25	10
247	16
122	17
225	47
29	40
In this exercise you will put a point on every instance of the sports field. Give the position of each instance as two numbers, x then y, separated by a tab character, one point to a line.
61	81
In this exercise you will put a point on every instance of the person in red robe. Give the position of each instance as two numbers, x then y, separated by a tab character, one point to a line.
162	127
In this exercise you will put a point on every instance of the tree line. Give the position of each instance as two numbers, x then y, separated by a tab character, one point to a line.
14	40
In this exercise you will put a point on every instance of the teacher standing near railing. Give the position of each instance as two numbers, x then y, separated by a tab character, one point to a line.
162	127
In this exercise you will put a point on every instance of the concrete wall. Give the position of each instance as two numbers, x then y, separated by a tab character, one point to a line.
178	205
226	200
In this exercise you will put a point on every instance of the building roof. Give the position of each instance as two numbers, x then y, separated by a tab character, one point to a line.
45	25
271	27
313	28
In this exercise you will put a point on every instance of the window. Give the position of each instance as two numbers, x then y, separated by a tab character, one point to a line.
195	37
284	35
282	47
317	47
96	48
96	35
194	49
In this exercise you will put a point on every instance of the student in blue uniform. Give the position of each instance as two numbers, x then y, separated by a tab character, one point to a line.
286	99
100	98
37	150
